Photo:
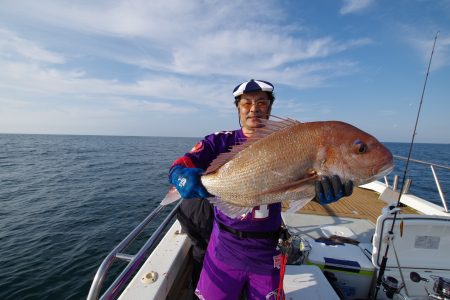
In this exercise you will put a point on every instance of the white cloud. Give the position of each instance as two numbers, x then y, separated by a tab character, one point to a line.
148	106
23	81
264	52
68	61
443	52
441	56
224	52
158	20
189	37
185	51
355	6
12	46
422	39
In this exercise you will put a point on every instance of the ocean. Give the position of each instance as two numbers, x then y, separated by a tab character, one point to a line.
67	201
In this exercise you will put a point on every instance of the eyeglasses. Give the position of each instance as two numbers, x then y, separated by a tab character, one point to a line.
248	103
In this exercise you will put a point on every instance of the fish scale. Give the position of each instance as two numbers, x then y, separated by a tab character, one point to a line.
262	166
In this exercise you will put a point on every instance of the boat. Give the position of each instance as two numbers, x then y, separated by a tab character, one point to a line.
337	251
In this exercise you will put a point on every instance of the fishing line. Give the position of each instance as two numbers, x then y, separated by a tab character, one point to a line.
384	260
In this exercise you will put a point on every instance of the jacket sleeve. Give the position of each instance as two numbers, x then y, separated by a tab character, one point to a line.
200	156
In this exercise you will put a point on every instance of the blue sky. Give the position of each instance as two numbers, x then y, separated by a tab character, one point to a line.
168	68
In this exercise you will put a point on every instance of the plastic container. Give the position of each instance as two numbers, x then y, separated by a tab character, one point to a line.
307	282
352	269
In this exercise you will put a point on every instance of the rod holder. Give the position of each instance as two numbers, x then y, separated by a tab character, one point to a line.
395	183
406	186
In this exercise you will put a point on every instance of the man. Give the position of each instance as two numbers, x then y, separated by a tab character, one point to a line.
241	253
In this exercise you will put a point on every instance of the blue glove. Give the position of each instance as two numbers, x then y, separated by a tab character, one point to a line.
329	190
187	182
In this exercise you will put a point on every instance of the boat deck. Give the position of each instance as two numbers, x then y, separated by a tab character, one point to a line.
358	213
362	204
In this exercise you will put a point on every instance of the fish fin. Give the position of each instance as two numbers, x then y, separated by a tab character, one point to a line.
228	209
219	161
270	127
278	125
292	186
295	205
171	196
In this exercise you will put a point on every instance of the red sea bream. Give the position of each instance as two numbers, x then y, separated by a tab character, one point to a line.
284	159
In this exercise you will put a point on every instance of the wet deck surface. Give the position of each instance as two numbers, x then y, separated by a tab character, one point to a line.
362	204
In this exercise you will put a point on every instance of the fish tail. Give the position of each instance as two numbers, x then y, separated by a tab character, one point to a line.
228	209
295	205
171	196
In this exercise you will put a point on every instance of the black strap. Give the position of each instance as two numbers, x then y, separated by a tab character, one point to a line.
250	234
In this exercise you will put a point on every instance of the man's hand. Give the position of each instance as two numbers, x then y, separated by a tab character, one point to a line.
329	190
187	182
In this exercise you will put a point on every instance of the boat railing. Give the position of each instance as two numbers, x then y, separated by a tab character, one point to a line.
433	167
134	261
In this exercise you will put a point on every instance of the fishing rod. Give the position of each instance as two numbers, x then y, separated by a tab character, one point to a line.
391	232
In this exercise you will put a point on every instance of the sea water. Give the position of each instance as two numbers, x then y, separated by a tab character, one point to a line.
67	201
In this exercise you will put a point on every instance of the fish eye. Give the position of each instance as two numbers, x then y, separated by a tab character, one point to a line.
360	147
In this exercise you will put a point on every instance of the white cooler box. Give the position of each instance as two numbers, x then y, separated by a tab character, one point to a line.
307	282
354	276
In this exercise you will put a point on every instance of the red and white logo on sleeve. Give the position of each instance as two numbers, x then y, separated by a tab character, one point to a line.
197	148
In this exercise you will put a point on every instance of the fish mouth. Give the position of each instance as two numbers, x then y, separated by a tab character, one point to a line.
382	170
378	172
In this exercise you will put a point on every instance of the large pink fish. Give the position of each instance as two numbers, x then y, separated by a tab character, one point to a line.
284	159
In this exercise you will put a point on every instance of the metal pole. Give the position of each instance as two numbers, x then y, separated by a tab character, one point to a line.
441	194
114	289
406	186
385	258
395	183
97	283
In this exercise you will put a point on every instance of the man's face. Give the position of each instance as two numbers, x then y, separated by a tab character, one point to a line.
251	107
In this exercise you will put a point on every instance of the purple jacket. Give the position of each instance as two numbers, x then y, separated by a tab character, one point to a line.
255	255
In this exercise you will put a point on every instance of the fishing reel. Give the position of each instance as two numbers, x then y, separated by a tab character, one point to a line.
299	251
441	286
391	286
296	247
